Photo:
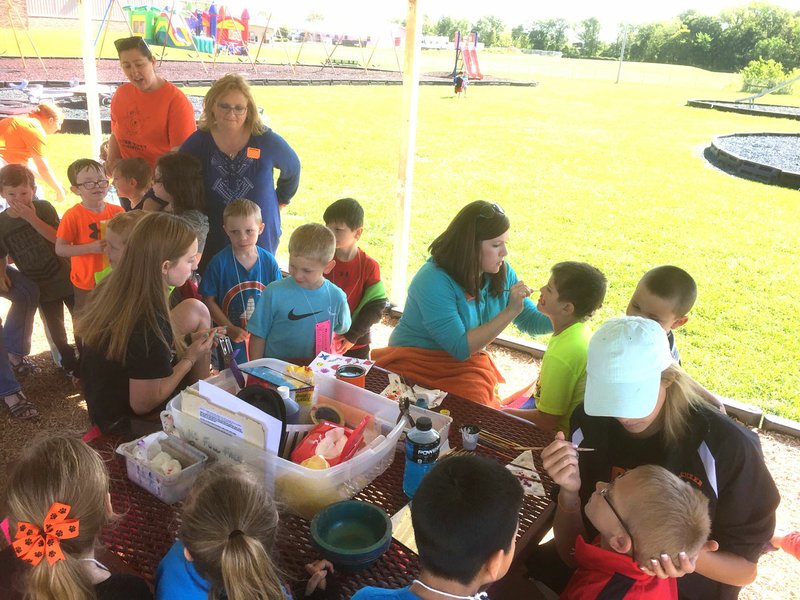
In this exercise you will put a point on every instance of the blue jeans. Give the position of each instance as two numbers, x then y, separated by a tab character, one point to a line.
24	296
8	383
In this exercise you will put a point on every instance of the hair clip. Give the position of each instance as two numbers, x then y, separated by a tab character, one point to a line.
31	546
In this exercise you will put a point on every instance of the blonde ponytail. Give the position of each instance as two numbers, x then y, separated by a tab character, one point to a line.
65	580
228	526
248	571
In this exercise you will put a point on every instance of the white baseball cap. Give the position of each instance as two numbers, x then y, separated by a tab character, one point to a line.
623	368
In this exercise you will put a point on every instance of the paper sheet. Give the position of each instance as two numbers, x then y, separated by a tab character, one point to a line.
326	363
525	471
272	426
402	530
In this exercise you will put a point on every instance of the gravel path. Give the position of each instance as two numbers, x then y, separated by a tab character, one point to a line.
779	151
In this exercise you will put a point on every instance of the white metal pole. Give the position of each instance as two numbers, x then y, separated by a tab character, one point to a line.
90	77
408	143
622	51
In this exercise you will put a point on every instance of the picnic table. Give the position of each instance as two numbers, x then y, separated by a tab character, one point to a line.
148	527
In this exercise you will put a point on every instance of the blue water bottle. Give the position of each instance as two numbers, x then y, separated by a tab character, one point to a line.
422	450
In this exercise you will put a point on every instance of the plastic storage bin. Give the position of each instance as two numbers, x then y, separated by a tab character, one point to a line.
168	488
307	491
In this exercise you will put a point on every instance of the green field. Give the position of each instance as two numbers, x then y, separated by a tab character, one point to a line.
587	170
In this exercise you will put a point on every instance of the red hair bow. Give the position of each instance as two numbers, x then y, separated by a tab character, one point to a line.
31	546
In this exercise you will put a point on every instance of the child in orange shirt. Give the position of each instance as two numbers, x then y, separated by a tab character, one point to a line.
80	233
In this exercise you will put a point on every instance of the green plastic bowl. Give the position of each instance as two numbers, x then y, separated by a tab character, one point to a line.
351	534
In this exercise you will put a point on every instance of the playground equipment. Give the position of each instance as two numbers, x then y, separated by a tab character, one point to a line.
467	50
210	31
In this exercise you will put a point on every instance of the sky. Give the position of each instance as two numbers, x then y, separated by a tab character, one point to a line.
512	12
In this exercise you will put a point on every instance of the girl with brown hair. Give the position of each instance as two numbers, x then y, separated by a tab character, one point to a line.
178	189
136	351
58	496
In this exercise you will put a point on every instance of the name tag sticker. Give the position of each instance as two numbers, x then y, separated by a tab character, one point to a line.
322	342
253	152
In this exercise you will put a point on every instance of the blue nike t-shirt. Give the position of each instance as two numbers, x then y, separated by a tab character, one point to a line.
287	316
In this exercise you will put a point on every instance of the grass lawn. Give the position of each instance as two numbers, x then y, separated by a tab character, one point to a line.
586	170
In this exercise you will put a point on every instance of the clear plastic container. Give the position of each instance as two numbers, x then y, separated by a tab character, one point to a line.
307	491
168	488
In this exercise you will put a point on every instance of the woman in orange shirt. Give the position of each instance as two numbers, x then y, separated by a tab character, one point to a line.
149	115
25	144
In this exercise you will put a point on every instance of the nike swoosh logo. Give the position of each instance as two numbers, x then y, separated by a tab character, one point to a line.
294	317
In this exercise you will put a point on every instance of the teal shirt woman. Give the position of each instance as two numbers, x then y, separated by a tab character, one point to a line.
459	301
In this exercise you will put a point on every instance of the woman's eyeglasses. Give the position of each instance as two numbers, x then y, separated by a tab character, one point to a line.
90	185
490	210
604	495
231	108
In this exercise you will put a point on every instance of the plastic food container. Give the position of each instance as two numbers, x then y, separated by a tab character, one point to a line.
168	488
306	491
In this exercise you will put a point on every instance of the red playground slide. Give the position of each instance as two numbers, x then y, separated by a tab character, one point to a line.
471	65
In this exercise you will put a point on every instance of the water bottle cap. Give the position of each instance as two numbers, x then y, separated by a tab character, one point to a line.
424	424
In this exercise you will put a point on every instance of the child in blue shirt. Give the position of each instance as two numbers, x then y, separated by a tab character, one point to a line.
228	529
236	277
296	317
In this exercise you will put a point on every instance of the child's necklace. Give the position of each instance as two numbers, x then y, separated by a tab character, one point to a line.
240	292
478	596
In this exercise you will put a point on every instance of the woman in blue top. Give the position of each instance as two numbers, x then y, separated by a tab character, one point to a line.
239	154
459	301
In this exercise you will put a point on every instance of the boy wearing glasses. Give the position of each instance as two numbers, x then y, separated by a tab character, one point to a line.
645	513
80	234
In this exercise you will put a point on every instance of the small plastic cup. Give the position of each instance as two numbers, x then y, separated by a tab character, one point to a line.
469	436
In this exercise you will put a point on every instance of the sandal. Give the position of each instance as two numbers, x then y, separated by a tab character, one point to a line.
25	367
22	409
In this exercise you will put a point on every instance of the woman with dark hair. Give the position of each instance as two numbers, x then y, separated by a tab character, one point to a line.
239	154
149	115
459	301
178	189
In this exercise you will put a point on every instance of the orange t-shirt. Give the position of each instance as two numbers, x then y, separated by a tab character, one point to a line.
148	124
24	137
79	225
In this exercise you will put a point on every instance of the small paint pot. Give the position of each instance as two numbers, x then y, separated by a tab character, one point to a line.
355	374
469	436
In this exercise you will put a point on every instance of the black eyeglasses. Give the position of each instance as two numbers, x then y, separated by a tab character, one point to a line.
604	494
90	185
231	108
133	43
490	210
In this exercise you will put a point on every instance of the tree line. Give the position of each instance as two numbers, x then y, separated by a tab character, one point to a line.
724	42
